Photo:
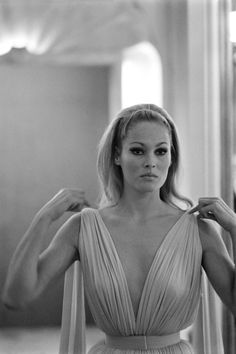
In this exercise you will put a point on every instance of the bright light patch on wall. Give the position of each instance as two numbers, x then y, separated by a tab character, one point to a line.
20	40
5	47
141	80
232	26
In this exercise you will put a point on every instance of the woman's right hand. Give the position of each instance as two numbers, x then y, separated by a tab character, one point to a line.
65	200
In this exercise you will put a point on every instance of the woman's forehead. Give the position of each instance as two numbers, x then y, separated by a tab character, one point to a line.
148	131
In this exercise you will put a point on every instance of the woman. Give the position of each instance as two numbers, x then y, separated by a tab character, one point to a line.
140	253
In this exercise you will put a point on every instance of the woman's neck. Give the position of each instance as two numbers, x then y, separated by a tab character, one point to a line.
141	206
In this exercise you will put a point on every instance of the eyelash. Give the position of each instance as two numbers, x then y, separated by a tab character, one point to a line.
160	151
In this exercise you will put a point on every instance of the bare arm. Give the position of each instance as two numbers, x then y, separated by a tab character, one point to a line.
219	266
30	269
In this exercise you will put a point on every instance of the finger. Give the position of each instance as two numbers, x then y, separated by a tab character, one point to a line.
206	212
208	199
77	206
193	210
86	203
208	215
202	202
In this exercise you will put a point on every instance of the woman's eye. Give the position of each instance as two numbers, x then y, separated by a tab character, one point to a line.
161	151
136	151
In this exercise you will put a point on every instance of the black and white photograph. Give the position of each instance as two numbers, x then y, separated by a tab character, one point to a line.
117	176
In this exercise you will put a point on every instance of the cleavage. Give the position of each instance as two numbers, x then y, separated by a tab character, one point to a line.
136	252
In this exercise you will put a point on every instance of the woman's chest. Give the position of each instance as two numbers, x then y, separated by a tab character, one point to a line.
136	249
136	246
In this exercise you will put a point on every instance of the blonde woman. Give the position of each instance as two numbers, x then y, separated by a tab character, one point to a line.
141	255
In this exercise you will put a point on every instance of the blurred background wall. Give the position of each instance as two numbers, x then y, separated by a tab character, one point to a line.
50	122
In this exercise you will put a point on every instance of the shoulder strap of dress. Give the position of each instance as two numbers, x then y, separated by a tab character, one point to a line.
207	331
73	340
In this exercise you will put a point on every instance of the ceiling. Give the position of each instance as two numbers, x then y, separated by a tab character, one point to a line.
74	31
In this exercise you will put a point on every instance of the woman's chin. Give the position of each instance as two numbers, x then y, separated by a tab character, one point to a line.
148	189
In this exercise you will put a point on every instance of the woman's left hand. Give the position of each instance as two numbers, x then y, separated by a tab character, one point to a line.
216	209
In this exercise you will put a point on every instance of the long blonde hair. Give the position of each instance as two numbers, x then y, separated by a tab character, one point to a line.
111	176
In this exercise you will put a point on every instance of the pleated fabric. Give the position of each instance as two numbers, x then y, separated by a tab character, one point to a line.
170	296
73	339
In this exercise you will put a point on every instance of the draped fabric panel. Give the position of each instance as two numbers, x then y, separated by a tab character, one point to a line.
73	338
207	332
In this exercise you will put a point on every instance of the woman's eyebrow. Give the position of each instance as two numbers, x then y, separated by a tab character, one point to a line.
143	144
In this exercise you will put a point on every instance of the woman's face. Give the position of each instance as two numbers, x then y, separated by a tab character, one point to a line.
145	157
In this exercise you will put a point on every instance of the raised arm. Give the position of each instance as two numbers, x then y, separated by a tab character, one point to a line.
32	269
219	266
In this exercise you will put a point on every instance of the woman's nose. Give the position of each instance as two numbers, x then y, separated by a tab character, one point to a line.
150	165
150	162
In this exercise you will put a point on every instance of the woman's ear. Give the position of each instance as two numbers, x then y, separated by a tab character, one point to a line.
117	156
117	161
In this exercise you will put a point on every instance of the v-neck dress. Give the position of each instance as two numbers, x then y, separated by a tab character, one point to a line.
170	295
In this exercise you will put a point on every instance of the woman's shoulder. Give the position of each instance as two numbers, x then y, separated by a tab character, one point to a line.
88	211
72	224
108	213
89	214
173	212
75	220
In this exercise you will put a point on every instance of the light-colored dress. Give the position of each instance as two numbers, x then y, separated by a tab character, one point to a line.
169	299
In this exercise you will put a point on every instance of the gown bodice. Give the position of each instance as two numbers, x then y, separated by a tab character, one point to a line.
171	292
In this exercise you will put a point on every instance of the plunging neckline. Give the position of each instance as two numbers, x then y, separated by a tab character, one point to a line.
137	315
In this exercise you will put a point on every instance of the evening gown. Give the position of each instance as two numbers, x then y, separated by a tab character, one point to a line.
169	300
